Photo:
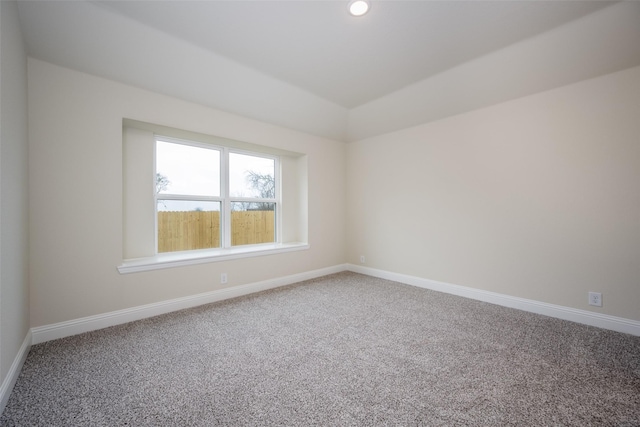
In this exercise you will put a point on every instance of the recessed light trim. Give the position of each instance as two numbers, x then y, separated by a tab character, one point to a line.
359	7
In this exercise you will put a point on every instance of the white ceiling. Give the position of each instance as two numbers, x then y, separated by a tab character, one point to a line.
318	46
309	65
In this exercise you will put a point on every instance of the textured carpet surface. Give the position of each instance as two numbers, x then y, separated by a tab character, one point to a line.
344	349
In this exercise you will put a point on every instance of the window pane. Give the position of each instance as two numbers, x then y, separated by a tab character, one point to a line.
251	176
187	225
187	170
252	223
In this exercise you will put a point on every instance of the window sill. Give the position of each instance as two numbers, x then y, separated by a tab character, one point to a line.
180	259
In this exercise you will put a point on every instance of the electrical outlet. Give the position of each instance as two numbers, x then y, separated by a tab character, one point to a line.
362	259
595	298
223	278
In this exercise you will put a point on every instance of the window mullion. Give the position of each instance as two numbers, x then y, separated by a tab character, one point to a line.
226	203
187	197
278	197
252	200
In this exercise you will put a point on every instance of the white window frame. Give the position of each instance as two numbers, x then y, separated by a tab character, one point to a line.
140	205
225	198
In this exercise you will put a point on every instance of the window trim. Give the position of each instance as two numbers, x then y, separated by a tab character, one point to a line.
139	222
202	256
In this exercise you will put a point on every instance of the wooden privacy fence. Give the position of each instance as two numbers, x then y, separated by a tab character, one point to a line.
182	231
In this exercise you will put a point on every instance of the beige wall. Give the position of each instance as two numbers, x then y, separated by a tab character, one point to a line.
76	192
536	198
14	290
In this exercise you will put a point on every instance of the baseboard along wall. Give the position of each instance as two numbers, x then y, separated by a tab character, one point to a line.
618	324
73	327
91	323
45	333
14	371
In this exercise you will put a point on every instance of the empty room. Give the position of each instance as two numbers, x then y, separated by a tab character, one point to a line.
329	212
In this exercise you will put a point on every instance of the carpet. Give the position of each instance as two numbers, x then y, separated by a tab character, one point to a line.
344	349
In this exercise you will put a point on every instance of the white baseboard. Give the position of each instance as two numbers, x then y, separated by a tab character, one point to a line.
14	371
77	326
613	323
45	333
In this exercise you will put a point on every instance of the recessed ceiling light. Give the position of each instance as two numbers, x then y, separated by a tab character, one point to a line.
358	7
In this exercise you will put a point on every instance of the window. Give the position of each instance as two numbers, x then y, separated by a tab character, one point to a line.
191	198
209	196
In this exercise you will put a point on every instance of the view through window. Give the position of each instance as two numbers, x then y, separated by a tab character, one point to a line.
213	197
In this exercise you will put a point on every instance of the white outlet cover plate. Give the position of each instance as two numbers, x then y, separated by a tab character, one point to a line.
595	299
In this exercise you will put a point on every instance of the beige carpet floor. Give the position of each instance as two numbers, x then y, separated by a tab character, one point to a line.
344	349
